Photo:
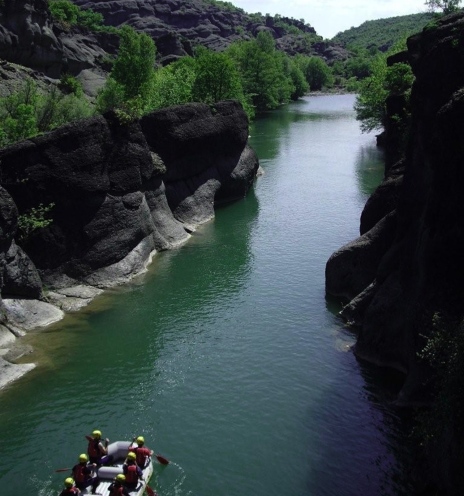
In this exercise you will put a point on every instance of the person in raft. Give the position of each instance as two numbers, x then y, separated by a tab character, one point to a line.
142	453
69	488
132	471
98	452
117	487
82	473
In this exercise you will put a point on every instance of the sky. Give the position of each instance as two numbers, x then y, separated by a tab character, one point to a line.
329	17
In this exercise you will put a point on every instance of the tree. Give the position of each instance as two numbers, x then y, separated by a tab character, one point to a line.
134	65
300	85
370	104
128	89
263	72
216	77
30	111
447	6
173	84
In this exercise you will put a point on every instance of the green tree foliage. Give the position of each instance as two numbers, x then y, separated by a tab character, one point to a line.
318	74
64	11
32	220
370	104
447	6
173	84
300	85
216	77
133	68
130	84
69	84
68	13
358	67
29	111
264	76
382	34
444	353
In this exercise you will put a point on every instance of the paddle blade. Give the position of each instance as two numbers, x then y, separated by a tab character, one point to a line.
62	470
162	460
150	491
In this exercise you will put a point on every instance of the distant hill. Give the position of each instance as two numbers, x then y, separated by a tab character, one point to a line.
382	33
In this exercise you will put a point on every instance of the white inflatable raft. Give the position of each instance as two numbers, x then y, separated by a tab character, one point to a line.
119	450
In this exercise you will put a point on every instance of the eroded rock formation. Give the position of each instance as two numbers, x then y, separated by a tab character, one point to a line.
120	193
408	265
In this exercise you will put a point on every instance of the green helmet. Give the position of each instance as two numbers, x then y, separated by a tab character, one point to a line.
140	440
69	482
97	434
131	455
83	458
120	478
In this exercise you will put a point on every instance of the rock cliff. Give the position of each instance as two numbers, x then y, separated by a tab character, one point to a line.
119	193
407	267
29	37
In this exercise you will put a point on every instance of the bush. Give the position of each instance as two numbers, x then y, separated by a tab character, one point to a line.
32	220
69	84
64	11
28	112
130	84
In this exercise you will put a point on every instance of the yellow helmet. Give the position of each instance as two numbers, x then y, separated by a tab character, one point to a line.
140	440
131	455
83	458
69	482
96	434
120	478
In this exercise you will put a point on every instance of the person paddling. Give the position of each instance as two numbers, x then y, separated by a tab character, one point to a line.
69	488
117	487
132	471
97	450
142	453
82	473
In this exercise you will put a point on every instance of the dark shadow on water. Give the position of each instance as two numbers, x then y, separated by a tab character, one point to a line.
370	168
333	304
381	386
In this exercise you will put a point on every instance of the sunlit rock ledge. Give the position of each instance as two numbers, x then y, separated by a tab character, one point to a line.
120	194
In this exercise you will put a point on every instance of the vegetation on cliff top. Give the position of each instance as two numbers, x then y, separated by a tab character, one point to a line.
382	34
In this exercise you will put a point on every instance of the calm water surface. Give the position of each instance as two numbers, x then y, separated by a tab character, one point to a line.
226	355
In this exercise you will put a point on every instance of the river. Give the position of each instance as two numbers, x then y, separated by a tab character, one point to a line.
226	355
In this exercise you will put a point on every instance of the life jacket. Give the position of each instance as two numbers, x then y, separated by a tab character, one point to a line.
80	473
93	449
116	489
141	454
132	477
69	491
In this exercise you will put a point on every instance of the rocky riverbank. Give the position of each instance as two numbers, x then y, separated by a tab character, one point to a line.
120	193
403	275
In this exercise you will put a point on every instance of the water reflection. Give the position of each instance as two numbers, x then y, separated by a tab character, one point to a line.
370	168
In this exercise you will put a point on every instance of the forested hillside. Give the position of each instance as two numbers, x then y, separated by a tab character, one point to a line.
382	34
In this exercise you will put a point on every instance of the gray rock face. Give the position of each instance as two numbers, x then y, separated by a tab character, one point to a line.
20	277
354	266
397	287
125	190
120	193
27	37
177	26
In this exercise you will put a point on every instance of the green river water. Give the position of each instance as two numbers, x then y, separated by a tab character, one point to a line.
226	355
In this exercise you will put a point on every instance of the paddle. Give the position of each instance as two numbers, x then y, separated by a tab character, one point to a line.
162	460
63	469
150	491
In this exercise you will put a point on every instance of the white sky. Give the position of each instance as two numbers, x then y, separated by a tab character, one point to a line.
328	17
